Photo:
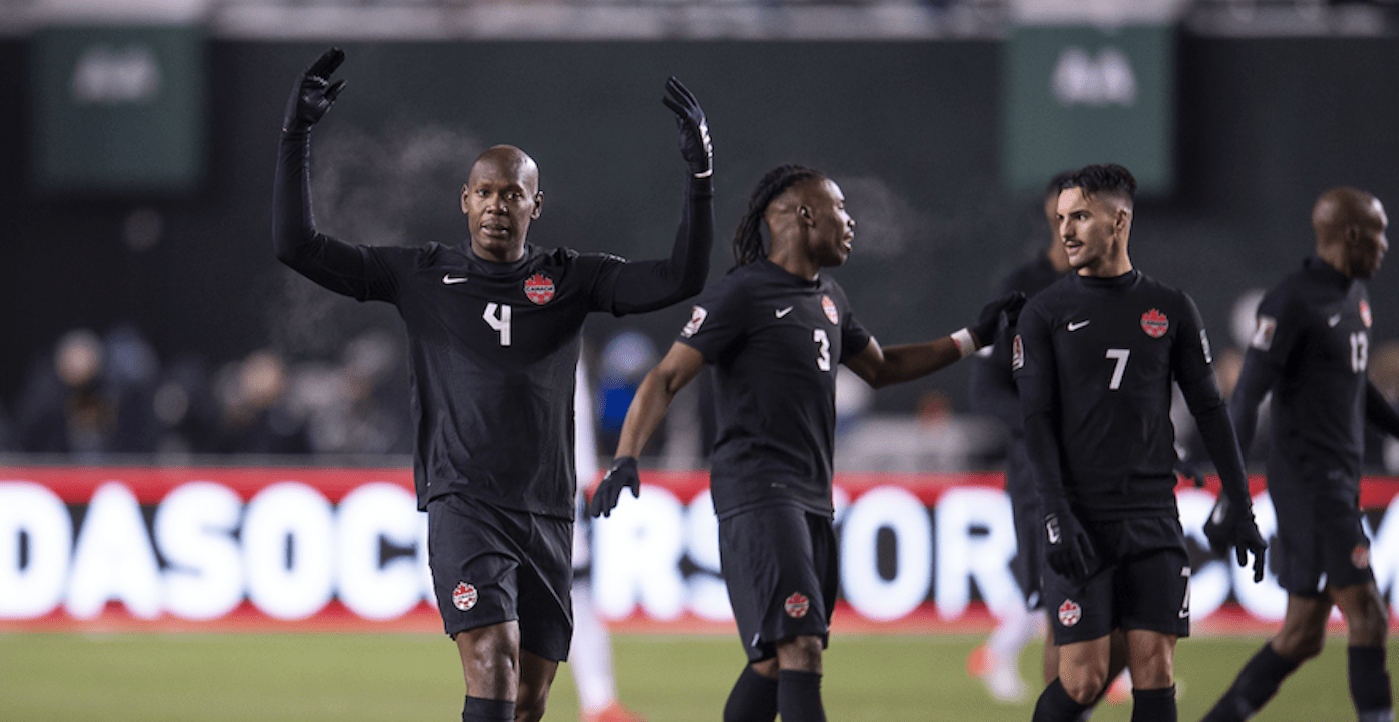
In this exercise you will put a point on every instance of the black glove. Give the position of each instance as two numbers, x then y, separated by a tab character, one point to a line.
1002	312
1068	550
622	475
694	129
313	93
1227	527
1191	471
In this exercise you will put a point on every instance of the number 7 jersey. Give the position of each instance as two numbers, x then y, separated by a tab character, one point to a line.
1097	357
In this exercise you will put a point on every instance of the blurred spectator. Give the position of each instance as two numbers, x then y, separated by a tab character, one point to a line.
186	412
1382	452
130	374
257	418
625	360
358	407
62	407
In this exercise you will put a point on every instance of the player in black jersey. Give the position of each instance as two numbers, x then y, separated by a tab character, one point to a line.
1310	351
993	393
1094	358
493	334
774	330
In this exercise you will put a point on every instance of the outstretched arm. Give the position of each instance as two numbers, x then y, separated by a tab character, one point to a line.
1379	412
648	407
334	264
883	366
650	285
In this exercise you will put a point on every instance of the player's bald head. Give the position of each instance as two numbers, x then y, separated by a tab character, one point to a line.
506	161
1341	208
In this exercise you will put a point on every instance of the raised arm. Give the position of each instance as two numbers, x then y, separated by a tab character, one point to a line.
334	264
650	285
644	415
880	366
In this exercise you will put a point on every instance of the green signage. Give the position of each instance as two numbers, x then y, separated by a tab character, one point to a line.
118	110
1080	95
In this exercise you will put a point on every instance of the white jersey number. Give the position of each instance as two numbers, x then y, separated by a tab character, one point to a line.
1120	356
497	316
823	356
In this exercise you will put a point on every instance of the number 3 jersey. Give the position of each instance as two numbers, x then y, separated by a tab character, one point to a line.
1095	357
774	341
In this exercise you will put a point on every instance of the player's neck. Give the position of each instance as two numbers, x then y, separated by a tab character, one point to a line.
1107	267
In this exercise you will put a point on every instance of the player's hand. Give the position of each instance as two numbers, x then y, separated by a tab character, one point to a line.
1227	527
622	475
695	145
1190	470
313	93
1068	550
998	314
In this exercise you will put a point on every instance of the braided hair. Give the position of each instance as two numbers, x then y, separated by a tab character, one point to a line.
748	237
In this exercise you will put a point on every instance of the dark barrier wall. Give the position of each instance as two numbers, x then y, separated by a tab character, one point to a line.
910	131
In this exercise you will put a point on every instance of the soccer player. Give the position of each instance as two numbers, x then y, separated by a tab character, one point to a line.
774	330
993	392
1094	358
493	334
1309	351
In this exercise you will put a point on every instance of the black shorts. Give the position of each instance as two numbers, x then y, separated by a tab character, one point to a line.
1029	529
782	569
492	565
1320	540
1140	580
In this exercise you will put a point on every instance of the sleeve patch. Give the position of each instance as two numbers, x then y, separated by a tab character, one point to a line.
1017	354
1205	346
1263	337
697	316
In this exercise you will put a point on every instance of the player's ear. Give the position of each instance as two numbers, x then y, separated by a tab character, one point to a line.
465	189
538	204
804	213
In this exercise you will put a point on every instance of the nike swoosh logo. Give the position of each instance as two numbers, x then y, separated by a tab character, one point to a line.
783	311
450	280
1333	320
1076	326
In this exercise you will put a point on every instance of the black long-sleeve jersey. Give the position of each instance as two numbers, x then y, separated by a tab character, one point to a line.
993	385
493	347
774	341
1310	349
1094	360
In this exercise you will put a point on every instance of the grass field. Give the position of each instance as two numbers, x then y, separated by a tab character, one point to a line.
345	678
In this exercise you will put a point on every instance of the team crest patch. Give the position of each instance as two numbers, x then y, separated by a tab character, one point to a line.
1205	346
796	605
464	597
1017	353
1360	556
697	316
829	307
539	288
1070	613
1365	317
1155	324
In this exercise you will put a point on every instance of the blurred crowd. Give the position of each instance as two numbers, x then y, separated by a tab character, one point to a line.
108	397
98	397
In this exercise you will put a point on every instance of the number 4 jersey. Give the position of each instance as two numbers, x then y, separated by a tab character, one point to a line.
1096	357
774	341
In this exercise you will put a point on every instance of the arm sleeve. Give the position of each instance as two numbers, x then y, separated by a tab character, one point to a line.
649	285
1195	376
1379	412
1255	380
993	386
1035	375
332	263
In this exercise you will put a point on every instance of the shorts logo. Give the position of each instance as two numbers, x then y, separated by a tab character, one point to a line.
1070	613
539	288
1365	313
829	307
697	316
1017	353
1155	324
796	605
464	597
1360	556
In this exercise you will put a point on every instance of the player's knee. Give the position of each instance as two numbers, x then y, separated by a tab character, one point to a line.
1300	645
800	653
530	706
1369	625
1085	685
